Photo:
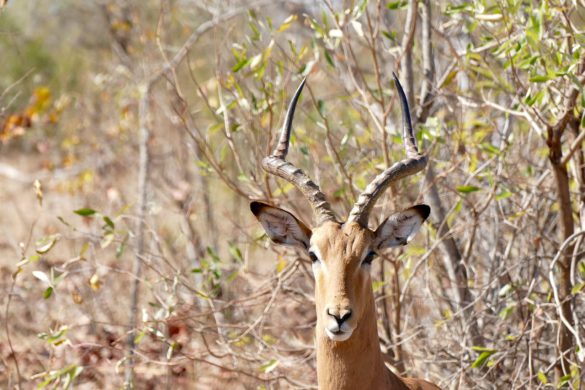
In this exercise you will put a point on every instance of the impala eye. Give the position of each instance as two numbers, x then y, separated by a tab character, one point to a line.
369	258
313	257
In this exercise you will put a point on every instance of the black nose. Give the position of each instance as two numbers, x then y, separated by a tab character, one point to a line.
340	317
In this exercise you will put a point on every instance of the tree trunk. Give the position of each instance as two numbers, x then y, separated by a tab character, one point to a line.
565	229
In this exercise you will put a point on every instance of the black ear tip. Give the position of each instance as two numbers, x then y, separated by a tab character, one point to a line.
256	207
423	210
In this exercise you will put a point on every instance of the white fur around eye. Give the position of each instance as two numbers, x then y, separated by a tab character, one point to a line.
317	265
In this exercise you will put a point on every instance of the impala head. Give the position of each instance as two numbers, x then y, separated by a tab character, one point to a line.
342	253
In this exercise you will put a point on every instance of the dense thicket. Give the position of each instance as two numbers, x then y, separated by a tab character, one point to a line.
131	136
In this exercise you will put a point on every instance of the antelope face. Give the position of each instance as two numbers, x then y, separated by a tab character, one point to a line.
341	256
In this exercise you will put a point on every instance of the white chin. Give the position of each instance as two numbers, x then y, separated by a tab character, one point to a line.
342	336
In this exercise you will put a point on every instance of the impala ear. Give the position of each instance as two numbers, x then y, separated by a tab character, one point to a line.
281	226
399	228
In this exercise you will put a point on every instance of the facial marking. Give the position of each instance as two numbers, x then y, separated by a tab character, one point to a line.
319	264
341	283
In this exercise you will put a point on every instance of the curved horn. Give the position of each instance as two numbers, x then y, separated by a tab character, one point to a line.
413	163
276	165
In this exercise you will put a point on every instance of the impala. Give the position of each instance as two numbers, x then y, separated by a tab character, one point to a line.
348	350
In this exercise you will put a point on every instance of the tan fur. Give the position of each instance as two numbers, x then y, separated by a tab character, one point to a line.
356	363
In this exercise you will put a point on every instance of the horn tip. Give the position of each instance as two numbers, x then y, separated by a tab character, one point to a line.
302	84
397	81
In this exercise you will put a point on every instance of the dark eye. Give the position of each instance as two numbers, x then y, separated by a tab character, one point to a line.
313	257
369	258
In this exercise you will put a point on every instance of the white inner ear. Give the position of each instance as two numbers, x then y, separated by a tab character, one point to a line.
283	228
398	229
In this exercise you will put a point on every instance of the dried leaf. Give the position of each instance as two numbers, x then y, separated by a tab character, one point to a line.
95	282
38	190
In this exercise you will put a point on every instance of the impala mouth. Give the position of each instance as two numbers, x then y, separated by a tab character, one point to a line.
337	334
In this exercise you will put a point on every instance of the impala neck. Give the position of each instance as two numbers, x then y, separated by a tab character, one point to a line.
356	363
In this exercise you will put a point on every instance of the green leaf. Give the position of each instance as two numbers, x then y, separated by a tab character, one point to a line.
230	278
391	36
48	292
450	77
581	267
397	4
121	247
377	285
109	222
84	249
564	380
44	383
287	23
85	212
213	254
539	79
482	358
63	221
479	348
542	377
107	240
321	107
577	288
457	9
503	195
269	366
255	31
280	266
528	62
488	147
54	337
139	337
467	189
236	253
506	311
537	98
45	244
329	59
72	373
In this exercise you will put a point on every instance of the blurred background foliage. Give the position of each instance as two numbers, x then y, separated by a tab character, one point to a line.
131	136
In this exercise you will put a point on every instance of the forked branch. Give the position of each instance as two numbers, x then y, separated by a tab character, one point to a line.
277	165
414	163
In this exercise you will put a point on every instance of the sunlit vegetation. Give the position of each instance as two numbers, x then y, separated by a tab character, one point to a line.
131	140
